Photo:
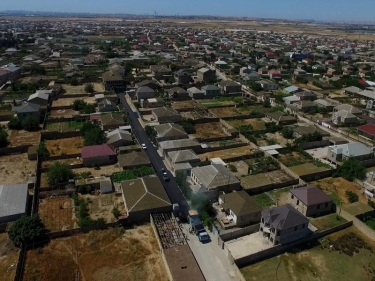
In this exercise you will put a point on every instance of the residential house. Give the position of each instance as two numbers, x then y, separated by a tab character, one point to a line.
39	98
244	71
112	80
118	69
165	115
103	154
195	93
328	104
133	160
26	110
112	120
152	103
291	100
283	224
367	130
251	77
173	145
144	93
104	184
291	89
207	75
230	87
310	201
144	196
301	131
107	106
178	93
211	91
274	74
119	138
182	77
183	156
302	105
13	202
148	83
299	72
159	71
170	131
215	178
305	95
281	118
356	150
268	85
240	210
345	114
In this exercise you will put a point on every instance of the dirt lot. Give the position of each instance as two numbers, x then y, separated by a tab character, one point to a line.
69	101
257	124
106	255
57	213
183	104
8	258
227	153
104	170
336	188
316	263
229	111
100	206
308	86
69	89
46	164
16	168
209	130
67	146
22	137
66	113
289	159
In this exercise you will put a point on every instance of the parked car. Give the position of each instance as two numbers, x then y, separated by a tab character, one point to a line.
144	147
163	171
204	237
165	178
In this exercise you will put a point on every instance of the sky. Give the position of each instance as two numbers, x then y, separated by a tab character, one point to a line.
323	10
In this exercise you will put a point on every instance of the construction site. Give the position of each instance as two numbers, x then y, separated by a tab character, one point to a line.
179	259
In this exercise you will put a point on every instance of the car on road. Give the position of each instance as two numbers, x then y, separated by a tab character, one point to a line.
165	178
144	147
204	237
163	171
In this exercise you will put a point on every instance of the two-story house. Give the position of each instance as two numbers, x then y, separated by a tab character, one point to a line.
340	153
207	75
211	91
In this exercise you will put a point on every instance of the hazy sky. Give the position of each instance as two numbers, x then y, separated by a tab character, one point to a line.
347	10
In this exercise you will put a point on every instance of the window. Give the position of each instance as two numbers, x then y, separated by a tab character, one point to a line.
297	202
318	207
326	204
292	196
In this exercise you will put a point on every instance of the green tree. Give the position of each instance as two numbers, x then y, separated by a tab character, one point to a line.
42	150
89	88
287	132
30	123
266	103
3	138
87	126
88	108
15	124
352	197
74	82
59	172
255	86
94	136
26	230
116	212
351	169
188	125
79	105
150	131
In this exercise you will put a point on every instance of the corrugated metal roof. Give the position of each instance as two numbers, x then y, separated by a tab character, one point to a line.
13	199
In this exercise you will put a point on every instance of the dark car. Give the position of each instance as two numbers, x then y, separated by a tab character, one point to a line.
165	178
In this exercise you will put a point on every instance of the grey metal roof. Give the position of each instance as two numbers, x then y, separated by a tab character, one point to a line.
213	176
283	217
354	149
29	107
182	156
178	143
291	89
13	199
170	129
349	108
38	95
119	135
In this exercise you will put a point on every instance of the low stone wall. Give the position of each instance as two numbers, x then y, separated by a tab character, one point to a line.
73	96
59	135
205	120
203	140
235	233
318	175
360	225
314	144
62	157
14	150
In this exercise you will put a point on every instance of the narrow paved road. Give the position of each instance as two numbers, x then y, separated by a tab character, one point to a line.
173	191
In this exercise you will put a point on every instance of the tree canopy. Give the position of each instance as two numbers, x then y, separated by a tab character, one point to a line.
59	172
15	124
30	123
3	137
94	136
351	169
89	88
26	230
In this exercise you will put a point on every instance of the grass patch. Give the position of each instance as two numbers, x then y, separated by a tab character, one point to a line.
328	221
263	200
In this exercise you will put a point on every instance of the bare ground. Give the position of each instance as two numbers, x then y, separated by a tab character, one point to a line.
209	130
16	168
22	137
107	255
67	146
8	258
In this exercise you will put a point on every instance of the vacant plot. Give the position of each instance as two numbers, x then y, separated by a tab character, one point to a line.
8	258
256	124
69	101
292	159
209	130
104	170
65	146
69	126
65	113
328	221
307	169
227	153
57	213
281	195
69	89
336	188
16	168
101	206
264	201
69	161
188	104
106	255
317	262
258	182
22	137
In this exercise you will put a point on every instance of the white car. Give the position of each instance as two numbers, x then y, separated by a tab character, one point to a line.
144	147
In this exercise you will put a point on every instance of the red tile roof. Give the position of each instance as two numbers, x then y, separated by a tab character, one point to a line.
98	151
368	129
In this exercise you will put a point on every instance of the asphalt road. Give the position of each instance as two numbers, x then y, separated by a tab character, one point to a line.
173	191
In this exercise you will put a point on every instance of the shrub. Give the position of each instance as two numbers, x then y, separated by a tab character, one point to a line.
3	138
15	124
59	172
232	168
116	212
30	123
351	169
89	88
352	197
78	105
94	136
26	230
371	203
42	150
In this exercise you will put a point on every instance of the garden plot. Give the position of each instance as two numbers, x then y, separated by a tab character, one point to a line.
16	168
256	124
65	113
57	214
69	101
307	169
106	255
69	161
188	104
209	130
22	137
69	126
103	170
66	146
71	90
227	153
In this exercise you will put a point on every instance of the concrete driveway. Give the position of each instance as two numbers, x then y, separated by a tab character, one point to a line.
211	258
